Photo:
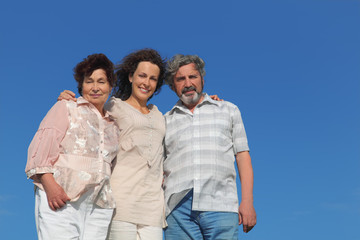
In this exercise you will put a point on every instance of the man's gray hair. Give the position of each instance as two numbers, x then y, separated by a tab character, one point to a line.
180	60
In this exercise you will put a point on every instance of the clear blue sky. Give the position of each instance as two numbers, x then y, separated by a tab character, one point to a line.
292	67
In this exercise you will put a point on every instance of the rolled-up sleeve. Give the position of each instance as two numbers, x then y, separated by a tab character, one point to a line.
44	149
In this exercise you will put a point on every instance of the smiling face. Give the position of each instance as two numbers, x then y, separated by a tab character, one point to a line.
96	89
188	85
144	81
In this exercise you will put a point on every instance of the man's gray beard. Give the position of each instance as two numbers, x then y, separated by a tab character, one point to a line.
191	100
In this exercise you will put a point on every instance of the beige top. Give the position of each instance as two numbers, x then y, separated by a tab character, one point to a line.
137	177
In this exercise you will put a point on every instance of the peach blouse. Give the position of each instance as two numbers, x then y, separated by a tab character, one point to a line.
77	145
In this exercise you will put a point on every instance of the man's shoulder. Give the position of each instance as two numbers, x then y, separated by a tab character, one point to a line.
178	105
170	113
167	114
224	105
227	103
221	104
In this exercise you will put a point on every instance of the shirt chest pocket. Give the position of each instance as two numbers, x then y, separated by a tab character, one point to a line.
223	131
179	138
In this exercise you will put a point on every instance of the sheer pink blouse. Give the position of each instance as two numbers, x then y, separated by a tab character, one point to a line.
77	145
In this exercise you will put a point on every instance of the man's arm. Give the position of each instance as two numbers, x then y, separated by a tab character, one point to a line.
247	214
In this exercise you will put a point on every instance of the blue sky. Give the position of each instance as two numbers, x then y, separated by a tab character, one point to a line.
292	67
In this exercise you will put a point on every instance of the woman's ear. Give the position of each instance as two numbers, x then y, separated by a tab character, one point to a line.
130	77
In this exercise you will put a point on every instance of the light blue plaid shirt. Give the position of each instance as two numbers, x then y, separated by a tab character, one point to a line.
200	149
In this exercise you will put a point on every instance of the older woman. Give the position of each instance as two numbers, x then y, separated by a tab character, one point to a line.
70	159
137	177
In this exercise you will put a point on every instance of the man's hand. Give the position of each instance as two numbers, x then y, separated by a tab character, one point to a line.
67	95
247	215
55	194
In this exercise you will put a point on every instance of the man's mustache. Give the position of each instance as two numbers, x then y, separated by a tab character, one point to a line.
186	89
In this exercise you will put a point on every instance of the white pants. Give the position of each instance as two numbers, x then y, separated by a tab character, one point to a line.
119	230
76	220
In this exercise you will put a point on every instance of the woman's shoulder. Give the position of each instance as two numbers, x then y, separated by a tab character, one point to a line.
113	102
61	105
153	108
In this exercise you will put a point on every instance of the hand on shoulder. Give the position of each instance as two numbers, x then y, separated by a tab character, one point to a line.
67	95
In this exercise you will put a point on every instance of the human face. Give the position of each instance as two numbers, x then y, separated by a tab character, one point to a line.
144	81
96	89
188	85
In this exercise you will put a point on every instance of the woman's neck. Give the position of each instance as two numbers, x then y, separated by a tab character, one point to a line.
139	105
101	110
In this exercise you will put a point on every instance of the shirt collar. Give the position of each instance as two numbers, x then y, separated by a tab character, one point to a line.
207	100
82	101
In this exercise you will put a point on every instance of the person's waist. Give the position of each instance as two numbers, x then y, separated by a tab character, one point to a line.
83	163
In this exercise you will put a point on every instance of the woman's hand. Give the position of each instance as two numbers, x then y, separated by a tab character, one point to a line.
67	95
216	98
55	194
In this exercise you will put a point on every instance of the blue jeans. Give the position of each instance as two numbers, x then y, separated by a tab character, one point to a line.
183	223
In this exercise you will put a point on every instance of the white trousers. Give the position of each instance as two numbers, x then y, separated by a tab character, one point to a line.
76	220
119	230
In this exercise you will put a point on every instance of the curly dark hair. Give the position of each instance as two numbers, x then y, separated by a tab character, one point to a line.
128	66
89	65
